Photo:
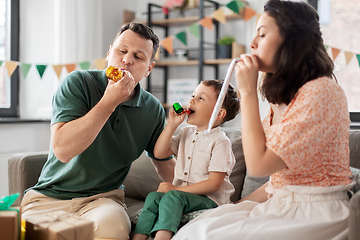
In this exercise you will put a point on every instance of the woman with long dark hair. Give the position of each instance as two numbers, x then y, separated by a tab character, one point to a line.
302	144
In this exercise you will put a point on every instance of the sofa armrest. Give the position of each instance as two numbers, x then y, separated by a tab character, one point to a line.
23	171
354	217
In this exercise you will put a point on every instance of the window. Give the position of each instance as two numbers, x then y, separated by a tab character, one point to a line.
9	50
339	25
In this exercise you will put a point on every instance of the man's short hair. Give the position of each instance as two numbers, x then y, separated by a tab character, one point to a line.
143	31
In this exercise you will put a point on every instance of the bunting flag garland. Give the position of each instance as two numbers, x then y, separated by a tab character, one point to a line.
167	43
233	6
84	65
100	63
25	67
58	69
249	13
41	69
11	66
70	67
348	57
335	52
240	4
195	30
219	16
206	22
182	37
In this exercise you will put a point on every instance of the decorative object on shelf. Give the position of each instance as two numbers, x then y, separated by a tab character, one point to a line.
225	46
179	89
181	54
180	5
237	50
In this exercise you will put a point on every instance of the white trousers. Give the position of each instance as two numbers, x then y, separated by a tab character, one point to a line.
293	212
106	210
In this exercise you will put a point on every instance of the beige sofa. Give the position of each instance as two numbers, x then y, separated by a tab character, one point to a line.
25	168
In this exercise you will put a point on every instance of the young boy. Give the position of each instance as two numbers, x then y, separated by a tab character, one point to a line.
203	166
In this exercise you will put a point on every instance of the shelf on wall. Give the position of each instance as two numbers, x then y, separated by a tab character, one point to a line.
189	20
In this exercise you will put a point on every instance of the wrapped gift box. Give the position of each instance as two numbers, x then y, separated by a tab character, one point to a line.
9	224
58	225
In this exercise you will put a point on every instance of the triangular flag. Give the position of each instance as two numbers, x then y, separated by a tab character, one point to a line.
348	56
58	69
11	66
157	55
195	30
84	65
219	15
167	44
100	64
70	67
240	4
1	62
25	67
233	6
206	22
249	13
41	69
335	52
358	58
182	37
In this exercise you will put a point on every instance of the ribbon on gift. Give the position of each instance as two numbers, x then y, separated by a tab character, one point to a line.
5	204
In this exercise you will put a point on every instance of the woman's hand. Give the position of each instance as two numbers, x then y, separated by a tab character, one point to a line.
246	73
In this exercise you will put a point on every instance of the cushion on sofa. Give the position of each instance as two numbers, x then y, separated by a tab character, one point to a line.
142	178
238	173
354	145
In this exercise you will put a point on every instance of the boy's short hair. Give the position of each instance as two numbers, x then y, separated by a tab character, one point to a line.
231	101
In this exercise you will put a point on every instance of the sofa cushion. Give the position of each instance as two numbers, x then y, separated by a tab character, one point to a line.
354	145
142	178
252	183
238	173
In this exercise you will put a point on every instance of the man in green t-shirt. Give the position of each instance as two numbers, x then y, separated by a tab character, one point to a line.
98	128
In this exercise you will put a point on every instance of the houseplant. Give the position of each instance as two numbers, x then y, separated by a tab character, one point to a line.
225	46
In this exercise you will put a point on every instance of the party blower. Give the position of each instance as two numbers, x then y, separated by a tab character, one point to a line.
222	94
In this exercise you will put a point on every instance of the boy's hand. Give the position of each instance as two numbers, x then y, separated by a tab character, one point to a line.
174	118
165	187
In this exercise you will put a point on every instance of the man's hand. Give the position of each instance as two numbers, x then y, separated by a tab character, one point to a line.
120	91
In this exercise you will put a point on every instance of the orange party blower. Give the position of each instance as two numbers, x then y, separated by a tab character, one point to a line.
114	73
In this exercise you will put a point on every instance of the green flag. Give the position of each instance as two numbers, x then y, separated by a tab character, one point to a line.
25	67
182	37
240	4
233	6
195	30
41	69
84	65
